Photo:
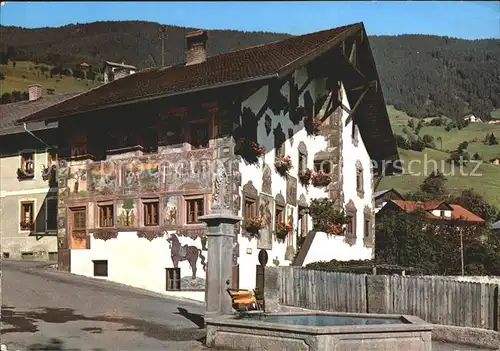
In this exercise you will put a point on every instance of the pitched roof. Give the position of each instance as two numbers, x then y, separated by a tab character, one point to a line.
116	64
10	113
384	191
269	61
457	211
233	67
496	225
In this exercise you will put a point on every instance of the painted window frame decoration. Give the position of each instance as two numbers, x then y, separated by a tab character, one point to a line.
368	220
360	180
351	227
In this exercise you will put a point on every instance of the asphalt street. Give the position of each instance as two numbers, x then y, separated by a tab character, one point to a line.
40	303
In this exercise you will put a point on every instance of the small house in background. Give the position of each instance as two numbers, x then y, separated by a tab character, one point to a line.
113	70
384	195
473	119
495	160
84	67
437	210
496	227
28	179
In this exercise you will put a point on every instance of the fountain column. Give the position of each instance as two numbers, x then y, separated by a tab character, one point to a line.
220	240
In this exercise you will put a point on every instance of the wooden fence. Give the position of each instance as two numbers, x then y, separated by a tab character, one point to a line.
436	300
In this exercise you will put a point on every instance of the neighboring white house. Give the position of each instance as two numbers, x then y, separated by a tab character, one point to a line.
133	192
113	70
473	119
28	180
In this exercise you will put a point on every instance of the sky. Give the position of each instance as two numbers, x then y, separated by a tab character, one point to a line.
461	19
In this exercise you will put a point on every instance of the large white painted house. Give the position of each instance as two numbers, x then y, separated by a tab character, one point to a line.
141	156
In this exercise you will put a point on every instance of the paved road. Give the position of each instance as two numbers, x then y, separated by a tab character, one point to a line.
40	303
88	314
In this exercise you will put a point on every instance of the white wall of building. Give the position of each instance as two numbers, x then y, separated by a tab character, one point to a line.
137	262
324	247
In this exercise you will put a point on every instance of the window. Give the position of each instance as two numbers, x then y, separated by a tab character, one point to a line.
280	151
303	221
28	162
27	215
322	165
151	212
199	135
106	215
350	224
442	213
100	268
173	278
367	228
171	131
51	214
78	144
359	182
302	162
79	222
194	209
249	208
279	215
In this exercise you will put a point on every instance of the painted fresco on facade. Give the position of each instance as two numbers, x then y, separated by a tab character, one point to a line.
191	254
102	177
192	172
126	213
265	240
76	183
141	175
170	210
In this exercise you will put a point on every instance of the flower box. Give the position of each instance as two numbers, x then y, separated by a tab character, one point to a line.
283	165
250	150
253	224
320	179
282	230
25	173
27	226
305	177
312	125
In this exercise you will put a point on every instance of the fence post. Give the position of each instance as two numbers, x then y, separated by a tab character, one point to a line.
272	288
377	296
497	307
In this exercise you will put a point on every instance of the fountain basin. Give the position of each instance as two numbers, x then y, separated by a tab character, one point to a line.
321	331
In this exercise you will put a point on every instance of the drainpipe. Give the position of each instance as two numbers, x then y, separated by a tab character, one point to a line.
37	138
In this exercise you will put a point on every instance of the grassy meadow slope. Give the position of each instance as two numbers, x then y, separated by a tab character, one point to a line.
25	73
487	181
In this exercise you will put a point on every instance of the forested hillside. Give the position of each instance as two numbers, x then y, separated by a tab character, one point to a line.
421	75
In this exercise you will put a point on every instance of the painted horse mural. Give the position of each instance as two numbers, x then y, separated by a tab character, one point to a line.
188	253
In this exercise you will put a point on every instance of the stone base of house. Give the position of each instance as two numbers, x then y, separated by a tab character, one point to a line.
31	255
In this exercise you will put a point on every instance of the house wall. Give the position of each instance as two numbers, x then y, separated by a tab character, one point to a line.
142	262
447	213
324	247
16	243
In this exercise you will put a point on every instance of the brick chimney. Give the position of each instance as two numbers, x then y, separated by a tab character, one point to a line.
196	42
35	92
